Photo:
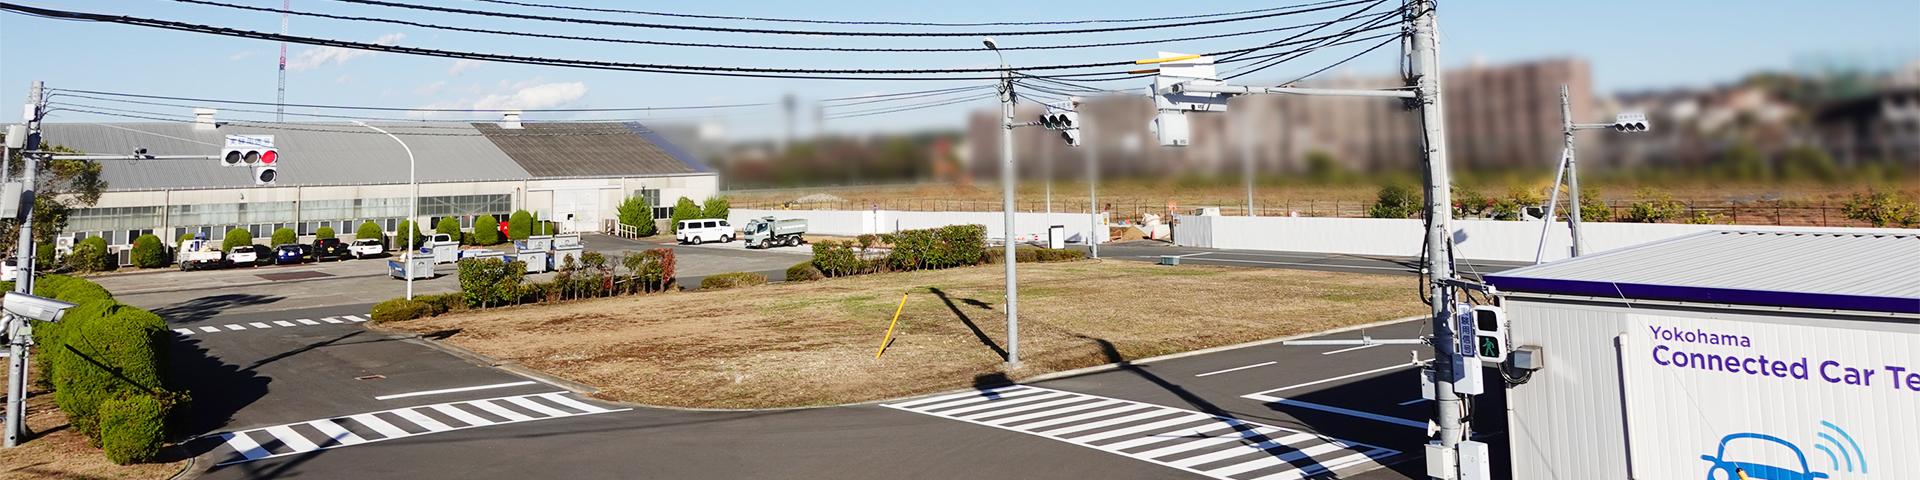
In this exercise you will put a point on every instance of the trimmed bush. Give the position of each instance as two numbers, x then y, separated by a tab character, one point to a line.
836	259
449	226
721	281
148	252
684	210
716	207
652	269
1395	200
804	272
486	230
519	225
636	212
184	237
323	232
133	427
43	254
442	303
399	309
91	255
106	357
283	236
944	247
400	232
490	282
369	231
236	237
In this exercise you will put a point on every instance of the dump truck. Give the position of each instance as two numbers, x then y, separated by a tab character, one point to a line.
768	232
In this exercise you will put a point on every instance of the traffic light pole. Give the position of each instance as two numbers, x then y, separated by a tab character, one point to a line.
1008	182
16	329
1093	189
1573	170
1449	406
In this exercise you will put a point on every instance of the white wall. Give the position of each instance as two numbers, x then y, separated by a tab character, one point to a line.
1474	239
1027	226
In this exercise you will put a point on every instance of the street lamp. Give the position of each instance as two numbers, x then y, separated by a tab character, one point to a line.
1006	201
413	215
1624	123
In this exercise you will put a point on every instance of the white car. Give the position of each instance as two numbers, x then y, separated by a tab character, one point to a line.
702	230
367	248
243	255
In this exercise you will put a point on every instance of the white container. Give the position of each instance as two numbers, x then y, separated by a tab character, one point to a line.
1057	236
536	261
560	256
571	240
445	252
536	243
422	267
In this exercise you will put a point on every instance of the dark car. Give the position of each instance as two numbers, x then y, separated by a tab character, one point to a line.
329	248
290	254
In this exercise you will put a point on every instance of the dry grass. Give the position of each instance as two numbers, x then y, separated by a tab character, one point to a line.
804	344
60	452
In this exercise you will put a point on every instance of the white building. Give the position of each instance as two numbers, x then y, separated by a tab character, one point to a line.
340	175
1786	355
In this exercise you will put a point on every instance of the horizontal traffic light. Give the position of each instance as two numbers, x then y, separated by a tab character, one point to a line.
1630	123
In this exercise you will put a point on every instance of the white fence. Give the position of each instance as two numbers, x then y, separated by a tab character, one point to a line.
1473	239
1027	225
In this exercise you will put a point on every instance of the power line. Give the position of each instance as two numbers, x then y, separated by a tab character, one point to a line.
910	97
909	107
1008	33
1342	61
728	45
71	91
1277	59
344	117
351	129
882	95
1370	6
883	22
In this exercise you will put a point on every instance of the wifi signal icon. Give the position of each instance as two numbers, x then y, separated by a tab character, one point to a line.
1840	448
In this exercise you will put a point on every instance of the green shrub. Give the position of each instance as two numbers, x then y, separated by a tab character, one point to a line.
804	272
716	207
652	270
1395	200
449	226
490	282
486	230
43	254
323	232
91	255
148	252
133	427
684	210
440	304
1516	203
184	237
519	225
400	232
51	337
720	281
1468	202
1881	209
236	237
106	357
1592	207
836	259
636	212
369	231
1654	206
283	236
399	309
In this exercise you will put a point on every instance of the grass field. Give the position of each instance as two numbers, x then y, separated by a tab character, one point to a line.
805	344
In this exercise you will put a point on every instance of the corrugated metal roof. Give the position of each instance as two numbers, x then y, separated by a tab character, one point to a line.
1858	271
311	154
562	149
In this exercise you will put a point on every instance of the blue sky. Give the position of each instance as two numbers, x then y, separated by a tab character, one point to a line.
1631	44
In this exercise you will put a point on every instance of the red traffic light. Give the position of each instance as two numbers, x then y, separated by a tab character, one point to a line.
268	157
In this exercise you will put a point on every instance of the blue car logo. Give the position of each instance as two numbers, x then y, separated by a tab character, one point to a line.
1725	469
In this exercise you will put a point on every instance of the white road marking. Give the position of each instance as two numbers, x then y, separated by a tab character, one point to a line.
333	434
987	393
524	402
336	432
183	331
1083	420
500	411
1236	369
259	325
421	419
355	318
1349	349
1413	401
245	446
452	390
209	329
575	404
1334	379
283	323
304	321
290	438
1333	409
332	320
231	326
387	430
461	415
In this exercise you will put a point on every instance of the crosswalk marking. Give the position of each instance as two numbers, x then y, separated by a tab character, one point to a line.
1215	446
283	323
183	331
209	329
259	325
355	318
332	320
232	326
304	321
282	440
267	324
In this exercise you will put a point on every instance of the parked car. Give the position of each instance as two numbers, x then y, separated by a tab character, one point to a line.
367	248
244	255
289	254
326	248
199	253
700	230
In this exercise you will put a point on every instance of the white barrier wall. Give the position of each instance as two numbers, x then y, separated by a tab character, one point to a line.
1514	241
1027	225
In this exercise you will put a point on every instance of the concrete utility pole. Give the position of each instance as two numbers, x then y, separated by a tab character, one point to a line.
1246	158
1093	184
1449	406
1007	166
16	329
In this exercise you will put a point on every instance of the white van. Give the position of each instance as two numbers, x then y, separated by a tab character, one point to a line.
702	230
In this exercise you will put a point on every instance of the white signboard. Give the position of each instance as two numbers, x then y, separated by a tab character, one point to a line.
1712	399
249	141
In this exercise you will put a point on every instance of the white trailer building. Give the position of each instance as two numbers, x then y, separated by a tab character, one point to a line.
1781	355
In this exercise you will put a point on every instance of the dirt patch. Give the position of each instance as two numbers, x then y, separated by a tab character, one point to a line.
56	451
813	343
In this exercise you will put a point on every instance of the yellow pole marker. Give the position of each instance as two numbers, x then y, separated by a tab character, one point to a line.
1175	58
890	325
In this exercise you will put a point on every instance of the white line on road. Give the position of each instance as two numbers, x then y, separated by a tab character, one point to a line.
259	325
283	323
451	390
183	331
1325	380
331	320
231	326
307	322
1333	409
1349	349
1236	369
355	318
209	329
1413	401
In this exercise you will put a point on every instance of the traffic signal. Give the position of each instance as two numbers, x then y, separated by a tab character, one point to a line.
249	151
265	174
1490	333
1630	123
1064	119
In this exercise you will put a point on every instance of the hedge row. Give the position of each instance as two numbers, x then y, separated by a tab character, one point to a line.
107	364
721	281
491	282
935	248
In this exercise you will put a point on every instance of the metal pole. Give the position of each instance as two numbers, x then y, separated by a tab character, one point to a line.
16	332
1007	166
1426	70
413	217
1246	157
1553	199
1095	233
1573	172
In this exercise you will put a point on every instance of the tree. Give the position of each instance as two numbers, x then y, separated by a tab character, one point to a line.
684	210
324	232
1881	209
1395	200
369	231
400	241
91	255
486	230
716	207
519	225
148	253
236	237
1654	206
635	211
59	187
283	236
449	226
1592	207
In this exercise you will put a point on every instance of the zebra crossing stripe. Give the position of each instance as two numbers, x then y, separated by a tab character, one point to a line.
968	394
209	329
282	440
304	321
268	324
183	331
283	323
1215	446
332	320
355	318
259	325
233	326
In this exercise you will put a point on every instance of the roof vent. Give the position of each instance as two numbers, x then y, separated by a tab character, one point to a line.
510	120
203	118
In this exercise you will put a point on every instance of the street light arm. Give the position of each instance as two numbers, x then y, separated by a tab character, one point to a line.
413	215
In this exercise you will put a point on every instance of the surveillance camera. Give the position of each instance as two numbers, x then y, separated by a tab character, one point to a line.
34	307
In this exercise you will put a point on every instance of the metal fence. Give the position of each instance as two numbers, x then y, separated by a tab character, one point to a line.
1132	209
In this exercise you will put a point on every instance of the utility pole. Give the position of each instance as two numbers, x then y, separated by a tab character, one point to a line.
280	107
17	332
1246	158
1569	169
1008	183
1573	170
1449	405
1093	183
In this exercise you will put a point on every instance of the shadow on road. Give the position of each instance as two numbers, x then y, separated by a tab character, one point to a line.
1392	395
207	307
968	321
218	391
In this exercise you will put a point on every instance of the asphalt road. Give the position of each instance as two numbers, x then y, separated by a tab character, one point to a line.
1151	251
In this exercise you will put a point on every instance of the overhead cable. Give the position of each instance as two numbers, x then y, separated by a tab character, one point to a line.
887	22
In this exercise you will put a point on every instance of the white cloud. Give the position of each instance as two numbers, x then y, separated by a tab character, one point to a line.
527	94
316	57
241	55
462	65
343	79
